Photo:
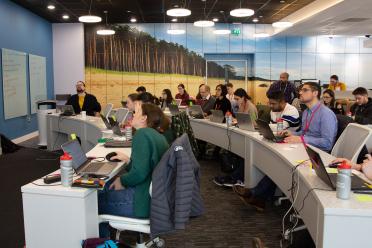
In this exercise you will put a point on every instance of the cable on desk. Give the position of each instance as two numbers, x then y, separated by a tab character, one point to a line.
307	194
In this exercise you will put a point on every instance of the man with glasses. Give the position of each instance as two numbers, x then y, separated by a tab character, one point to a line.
335	85
83	101
207	100
319	129
286	87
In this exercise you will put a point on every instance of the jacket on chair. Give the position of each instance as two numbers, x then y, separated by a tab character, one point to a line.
175	189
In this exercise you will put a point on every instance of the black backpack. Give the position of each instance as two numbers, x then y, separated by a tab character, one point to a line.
7	145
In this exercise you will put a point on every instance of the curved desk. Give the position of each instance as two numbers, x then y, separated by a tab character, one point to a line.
89	130
332	222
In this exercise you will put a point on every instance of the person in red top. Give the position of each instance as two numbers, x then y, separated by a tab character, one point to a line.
182	94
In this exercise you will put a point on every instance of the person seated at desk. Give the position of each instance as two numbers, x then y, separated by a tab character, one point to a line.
336	85
83	101
198	96
365	167
244	102
362	108
166	99
330	101
283	85
182	95
279	109
230	96
141	89
207	100
222	103
128	195
319	129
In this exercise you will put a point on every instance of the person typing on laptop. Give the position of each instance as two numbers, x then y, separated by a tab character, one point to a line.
319	128
365	167
128	195
222	103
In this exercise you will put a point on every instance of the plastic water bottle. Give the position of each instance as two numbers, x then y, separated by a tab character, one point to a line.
66	170
279	125
343	184
128	132
228	117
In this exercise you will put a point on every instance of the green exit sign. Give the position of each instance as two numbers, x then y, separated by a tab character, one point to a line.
236	31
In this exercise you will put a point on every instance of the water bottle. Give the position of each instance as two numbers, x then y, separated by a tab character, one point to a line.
228	117
128	132
343	184
279	125
66	170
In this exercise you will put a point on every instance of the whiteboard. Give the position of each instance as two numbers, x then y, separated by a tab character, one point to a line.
38	85
14	83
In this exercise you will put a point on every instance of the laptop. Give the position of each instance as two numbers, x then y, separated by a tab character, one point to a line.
121	114
107	123
357	184
245	122
82	165
178	102
67	110
196	112
173	108
116	129
267	133
217	116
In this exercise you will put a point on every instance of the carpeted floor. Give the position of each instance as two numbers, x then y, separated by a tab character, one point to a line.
226	223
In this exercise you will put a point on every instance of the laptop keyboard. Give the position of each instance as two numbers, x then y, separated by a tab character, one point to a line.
93	167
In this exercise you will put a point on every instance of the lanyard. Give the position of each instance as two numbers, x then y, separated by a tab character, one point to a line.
285	88
307	124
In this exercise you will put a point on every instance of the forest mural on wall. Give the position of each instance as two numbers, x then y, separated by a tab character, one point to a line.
144	54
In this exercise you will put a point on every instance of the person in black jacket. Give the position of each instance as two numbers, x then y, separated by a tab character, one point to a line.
362	109
222	103
83	101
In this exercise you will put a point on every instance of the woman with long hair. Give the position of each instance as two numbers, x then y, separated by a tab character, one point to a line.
329	100
245	104
166	98
182	94
222	103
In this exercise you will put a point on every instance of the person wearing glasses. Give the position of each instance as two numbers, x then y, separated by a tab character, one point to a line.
319	129
336	85
222	103
82	101
330	101
362	108
182	94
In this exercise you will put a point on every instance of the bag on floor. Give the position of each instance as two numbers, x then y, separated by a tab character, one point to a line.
7	145
229	161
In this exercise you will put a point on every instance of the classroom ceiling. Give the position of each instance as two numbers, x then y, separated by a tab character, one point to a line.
153	11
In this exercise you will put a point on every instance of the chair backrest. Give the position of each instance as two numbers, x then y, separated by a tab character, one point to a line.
107	110
351	142
121	114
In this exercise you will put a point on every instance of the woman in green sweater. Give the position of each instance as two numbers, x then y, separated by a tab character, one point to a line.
128	195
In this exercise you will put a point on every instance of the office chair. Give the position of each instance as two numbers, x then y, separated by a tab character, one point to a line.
141	226
107	110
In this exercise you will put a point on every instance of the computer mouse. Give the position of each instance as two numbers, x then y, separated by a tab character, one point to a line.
110	155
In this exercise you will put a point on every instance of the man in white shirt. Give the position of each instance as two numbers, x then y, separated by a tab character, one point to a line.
230	96
280	109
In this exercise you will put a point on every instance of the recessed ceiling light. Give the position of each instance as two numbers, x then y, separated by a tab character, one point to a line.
90	19
282	24
261	35
128	11
66	17
176	31
255	20
203	23
282	1
174	19
133	19
215	19
177	12
51	6
222	31
260	16
241	12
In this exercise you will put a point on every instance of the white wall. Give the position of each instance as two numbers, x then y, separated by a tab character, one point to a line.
68	56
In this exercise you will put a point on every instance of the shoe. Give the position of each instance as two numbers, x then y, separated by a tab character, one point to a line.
225	181
255	202
240	190
257	243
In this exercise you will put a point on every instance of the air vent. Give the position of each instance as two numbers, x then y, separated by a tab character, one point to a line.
355	20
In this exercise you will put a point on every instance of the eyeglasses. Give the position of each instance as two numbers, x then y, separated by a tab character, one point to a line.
218	89
305	90
327	97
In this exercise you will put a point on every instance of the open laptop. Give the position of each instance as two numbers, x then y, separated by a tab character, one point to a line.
67	110
82	165
121	114
217	116
178	102
116	129
173	108
267	133
196	112
245	122
107	123
357	184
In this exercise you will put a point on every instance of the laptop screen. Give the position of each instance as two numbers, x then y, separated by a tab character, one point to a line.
74	149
